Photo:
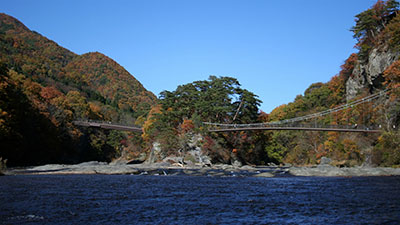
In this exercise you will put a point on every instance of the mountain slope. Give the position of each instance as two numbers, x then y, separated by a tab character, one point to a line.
44	87
110	80
44	61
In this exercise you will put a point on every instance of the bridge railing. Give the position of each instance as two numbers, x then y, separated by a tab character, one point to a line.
291	125
105	122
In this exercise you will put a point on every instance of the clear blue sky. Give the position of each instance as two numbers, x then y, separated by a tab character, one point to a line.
275	48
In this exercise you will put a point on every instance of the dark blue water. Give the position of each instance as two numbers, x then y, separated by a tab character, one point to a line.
125	199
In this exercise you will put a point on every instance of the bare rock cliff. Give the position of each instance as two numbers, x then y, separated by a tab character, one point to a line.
368	74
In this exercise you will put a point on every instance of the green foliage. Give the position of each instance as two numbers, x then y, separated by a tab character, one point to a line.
213	100
392	33
114	139
387	151
317	96
276	152
218	99
279	145
371	22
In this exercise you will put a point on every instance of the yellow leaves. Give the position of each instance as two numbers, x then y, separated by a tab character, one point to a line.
333	136
3	85
69	115
278	113
95	110
331	141
32	88
58	101
28	69
75	132
149	122
140	121
109	80
380	139
3	116
3	113
94	107
18	78
349	145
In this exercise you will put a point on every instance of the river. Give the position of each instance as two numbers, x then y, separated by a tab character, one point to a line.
133	199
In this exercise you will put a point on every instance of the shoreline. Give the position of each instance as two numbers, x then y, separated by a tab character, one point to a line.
218	170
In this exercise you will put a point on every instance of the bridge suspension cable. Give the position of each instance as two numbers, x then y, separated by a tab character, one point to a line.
310	116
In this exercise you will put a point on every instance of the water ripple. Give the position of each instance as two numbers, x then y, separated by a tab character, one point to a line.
124	199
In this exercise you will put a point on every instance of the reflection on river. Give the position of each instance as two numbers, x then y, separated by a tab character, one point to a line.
125	199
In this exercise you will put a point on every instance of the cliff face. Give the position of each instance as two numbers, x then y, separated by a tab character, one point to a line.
368	75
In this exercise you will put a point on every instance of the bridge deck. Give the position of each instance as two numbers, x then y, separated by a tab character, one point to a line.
107	126
293	128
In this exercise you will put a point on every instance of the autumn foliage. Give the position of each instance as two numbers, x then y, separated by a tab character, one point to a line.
44	87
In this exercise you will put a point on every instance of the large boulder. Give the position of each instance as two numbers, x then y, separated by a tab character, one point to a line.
173	159
264	174
325	161
155	153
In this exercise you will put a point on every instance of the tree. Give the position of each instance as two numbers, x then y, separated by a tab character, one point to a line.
218	100
370	22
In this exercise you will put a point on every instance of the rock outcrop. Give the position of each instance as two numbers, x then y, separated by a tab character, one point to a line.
331	171
368	74
224	170
190	154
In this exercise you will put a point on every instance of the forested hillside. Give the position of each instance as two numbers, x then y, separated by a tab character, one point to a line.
375	67
44	87
177	119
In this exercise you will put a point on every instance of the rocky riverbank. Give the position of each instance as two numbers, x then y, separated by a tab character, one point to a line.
166	169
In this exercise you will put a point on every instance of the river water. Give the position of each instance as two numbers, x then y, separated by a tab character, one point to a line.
128	199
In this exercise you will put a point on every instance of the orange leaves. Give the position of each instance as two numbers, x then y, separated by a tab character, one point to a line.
95	110
278	113
392	80
392	75
48	93
187	125
263	117
331	142
148	124
349	145
348	66
109	80
3	117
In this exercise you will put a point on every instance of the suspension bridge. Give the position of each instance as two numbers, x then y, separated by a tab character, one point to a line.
106	125
296	123
304	127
